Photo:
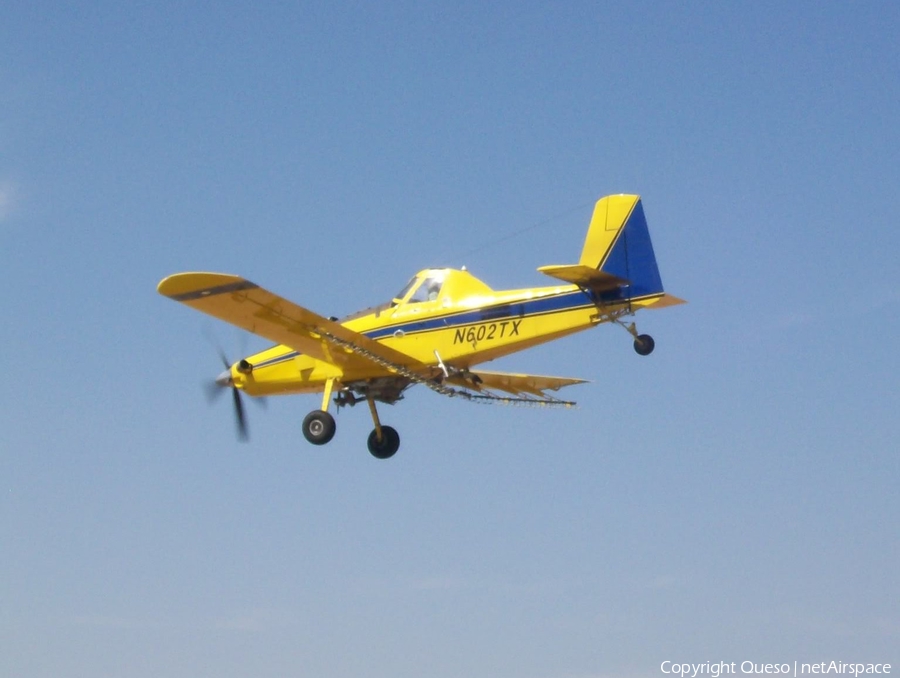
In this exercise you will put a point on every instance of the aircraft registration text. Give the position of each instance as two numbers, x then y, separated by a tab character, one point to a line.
487	332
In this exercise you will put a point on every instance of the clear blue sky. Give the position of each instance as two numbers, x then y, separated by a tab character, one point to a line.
732	497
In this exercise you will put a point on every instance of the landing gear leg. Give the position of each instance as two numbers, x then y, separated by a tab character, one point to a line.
383	441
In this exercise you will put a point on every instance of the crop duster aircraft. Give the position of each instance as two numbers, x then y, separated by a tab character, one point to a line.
435	331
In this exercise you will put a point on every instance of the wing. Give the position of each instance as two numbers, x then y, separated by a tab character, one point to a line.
527	388
252	308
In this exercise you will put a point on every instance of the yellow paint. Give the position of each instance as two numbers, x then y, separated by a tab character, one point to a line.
610	214
445	312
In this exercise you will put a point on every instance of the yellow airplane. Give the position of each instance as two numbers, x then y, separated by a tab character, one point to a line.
441	325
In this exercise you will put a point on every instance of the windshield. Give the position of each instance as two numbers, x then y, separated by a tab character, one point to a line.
427	287
429	290
406	288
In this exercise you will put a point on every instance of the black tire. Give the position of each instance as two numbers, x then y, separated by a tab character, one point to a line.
644	344
318	427
390	443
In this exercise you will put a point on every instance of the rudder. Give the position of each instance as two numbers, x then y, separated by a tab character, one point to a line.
629	254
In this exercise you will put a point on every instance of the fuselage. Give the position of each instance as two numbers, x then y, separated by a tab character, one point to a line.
442	315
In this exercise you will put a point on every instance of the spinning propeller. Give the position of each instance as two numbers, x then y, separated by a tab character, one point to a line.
214	390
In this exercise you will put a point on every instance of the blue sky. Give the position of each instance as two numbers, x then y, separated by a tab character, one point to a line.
732	497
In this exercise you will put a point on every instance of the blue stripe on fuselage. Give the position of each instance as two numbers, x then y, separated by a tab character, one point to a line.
277	359
530	307
505	311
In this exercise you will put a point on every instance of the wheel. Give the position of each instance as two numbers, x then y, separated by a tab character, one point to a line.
644	344
318	427
390	443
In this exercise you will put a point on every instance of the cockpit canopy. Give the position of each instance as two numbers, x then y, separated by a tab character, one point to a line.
445	284
424	286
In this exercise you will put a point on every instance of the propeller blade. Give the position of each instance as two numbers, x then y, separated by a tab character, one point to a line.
215	387
239	415
223	358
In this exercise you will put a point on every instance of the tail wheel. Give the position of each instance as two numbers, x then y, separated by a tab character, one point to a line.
644	344
318	427
387	446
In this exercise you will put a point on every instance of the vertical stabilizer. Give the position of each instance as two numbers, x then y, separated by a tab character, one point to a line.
617	261
629	254
610	214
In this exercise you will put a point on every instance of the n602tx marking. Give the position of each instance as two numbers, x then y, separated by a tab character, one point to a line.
486	332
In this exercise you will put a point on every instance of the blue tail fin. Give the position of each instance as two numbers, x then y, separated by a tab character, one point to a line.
617	262
631	257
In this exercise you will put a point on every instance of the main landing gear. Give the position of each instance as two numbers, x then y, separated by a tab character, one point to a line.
387	446
319	428
384	441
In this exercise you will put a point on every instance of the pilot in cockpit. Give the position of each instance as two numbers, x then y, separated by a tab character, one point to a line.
429	290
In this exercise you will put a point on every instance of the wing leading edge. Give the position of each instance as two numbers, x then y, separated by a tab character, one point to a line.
254	309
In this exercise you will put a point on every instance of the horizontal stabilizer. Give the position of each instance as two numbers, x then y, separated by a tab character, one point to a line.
584	276
663	301
617	262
